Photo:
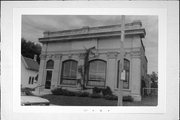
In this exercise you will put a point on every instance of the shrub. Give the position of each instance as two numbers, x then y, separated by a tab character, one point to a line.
83	94
107	91
111	97
57	91
60	91
114	97
77	94
95	95
127	98
96	90
68	93
27	91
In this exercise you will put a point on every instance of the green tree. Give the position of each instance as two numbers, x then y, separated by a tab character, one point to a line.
29	49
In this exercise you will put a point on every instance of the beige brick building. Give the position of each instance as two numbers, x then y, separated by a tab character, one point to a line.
63	52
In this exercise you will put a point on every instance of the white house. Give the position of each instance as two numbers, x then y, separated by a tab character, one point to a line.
29	72
64	51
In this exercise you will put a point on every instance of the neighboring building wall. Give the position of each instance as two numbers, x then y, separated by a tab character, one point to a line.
25	75
136	78
143	68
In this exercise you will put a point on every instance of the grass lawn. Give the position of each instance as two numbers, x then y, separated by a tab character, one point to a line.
87	101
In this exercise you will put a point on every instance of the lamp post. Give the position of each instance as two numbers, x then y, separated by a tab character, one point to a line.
120	86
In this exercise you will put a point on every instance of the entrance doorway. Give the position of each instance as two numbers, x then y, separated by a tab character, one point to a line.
48	79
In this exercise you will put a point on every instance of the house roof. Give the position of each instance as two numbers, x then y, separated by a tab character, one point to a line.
31	64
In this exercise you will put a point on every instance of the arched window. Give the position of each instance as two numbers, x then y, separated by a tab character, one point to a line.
50	64
127	74
97	73
69	72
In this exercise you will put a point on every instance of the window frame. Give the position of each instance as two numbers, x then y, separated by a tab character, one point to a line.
105	63
126	72
29	82
51	70
69	78
49	62
32	80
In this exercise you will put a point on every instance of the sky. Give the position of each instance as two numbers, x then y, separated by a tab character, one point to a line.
33	27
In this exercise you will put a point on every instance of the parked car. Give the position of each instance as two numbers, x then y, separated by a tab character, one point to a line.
28	99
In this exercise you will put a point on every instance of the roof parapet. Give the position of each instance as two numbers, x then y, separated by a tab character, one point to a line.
87	31
84	29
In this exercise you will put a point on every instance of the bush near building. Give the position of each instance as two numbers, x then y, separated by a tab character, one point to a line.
105	93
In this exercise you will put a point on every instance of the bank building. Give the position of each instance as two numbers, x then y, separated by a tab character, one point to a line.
64	52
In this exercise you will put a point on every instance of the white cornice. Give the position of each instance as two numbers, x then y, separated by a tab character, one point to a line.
87	35
77	51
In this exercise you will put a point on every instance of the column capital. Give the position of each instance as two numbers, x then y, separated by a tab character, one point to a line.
42	56
94	55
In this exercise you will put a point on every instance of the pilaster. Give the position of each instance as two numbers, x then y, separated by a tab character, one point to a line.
56	70
136	79
111	69
41	80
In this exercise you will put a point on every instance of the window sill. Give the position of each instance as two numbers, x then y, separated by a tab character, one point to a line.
129	90
91	87
72	86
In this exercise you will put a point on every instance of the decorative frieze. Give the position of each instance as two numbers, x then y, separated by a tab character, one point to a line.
50	56
57	56
135	53
112	55
81	55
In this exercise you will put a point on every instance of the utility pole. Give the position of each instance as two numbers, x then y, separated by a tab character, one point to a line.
120	86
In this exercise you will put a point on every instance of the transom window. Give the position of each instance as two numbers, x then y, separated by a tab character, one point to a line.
127	74
50	64
97	73
69	72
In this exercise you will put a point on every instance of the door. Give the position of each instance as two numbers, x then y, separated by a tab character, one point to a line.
48	79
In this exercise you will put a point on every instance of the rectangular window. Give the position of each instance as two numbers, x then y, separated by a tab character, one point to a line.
69	72
29	80
48	79
127	74
32	80
97	73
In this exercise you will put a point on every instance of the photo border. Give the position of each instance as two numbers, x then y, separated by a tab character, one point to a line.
161	13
